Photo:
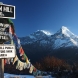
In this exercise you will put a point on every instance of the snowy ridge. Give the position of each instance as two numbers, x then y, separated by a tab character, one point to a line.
46	32
6	75
67	32
39	35
62	38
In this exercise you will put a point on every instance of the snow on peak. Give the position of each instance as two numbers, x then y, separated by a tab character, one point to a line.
46	32
66	31
64	28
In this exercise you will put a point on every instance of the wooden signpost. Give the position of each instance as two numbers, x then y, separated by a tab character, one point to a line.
6	11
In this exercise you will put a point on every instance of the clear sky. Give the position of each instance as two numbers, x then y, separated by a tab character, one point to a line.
50	15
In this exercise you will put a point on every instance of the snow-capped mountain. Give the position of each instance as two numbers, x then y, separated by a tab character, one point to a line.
62	38
39	35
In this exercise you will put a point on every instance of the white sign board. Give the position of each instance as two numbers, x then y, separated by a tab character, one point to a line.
7	51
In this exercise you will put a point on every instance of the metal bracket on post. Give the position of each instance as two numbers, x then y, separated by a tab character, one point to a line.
1	68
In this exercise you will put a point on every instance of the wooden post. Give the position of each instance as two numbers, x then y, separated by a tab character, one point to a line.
1	64
1	68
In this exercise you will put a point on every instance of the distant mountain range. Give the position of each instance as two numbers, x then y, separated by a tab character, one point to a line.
62	44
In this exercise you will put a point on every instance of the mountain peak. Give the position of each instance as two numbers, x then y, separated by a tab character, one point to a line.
44	31
64	28
65	31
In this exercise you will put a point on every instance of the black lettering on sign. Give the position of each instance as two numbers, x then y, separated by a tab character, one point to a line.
3	54
9	51
2	51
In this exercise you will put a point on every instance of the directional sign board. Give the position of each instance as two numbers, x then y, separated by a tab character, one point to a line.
7	11
7	51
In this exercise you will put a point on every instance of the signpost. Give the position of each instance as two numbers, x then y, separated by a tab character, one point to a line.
6	50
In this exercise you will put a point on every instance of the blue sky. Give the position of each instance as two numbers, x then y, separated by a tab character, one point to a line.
50	15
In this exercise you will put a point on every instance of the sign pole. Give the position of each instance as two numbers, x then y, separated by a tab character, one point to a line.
1	64
1	68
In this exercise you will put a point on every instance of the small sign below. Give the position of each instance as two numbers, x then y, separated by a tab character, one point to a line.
7	51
